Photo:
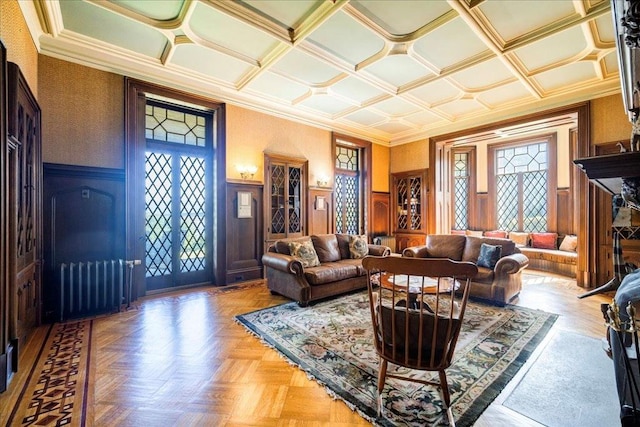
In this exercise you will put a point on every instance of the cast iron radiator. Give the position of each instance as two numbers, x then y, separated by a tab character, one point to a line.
389	241
93	287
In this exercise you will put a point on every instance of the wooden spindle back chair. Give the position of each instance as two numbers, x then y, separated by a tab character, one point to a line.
417	308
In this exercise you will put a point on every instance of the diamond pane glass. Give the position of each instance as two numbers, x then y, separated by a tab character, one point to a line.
192	214
295	203
351	205
277	199
339	184
507	202
524	158
347	158
461	191
402	192
180	127
158	214
535	201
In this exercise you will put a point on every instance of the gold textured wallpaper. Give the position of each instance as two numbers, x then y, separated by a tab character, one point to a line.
609	121
15	36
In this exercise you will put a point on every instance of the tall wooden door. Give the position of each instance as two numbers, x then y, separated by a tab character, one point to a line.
25	184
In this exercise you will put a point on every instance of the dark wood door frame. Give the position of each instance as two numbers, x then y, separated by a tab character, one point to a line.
135	100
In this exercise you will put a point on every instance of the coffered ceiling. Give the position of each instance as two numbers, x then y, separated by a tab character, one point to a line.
387	71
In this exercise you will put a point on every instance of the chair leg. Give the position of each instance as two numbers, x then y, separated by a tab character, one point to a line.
382	373
446	397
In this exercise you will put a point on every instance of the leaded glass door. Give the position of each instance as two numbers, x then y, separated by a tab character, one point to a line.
178	196
348	193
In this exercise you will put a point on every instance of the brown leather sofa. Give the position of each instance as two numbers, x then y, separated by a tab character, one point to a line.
336	274
498	286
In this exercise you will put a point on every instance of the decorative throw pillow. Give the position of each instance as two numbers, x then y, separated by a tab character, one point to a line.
544	240
519	238
496	233
489	255
569	243
358	247
459	232
305	252
475	233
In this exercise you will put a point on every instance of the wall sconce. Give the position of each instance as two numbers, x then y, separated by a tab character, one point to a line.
323	181
247	171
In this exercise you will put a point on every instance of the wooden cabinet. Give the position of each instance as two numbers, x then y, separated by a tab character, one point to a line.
285	197
409	208
24	225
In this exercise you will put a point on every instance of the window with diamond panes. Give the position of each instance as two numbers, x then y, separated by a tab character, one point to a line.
192	214
521	187
158	214
175	126
461	178
347	190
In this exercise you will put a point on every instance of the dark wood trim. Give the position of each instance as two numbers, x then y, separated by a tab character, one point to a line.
5	343
58	169
381	214
366	174
134	169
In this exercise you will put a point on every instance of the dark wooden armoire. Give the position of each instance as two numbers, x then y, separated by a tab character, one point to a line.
21	167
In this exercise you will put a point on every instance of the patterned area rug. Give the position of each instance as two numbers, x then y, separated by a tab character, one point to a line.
56	391
333	342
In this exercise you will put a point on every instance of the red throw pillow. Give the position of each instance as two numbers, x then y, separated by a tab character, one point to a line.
496	233
544	240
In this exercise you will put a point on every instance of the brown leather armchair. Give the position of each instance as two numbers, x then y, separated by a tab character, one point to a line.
498	285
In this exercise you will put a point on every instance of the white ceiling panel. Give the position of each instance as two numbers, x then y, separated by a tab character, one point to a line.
214	26
391	71
398	70
483	75
396	107
365	117
325	104
551	50
509	93
306	68
159	10
436	92
461	108
449	44
278	87
400	17
81	18
512	19
560	77
361	44
207	62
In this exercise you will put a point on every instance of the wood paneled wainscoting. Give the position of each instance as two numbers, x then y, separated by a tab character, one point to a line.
244	235
84	220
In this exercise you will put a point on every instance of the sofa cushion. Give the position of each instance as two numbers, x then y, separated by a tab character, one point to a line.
282	246
476	233
358	247
521	239
326	246
330	272
569	243
343	245
357	263
496	233
489	255
446	246
305	252
544	240
472	248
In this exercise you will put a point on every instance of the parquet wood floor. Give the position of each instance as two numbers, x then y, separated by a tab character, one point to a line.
180	359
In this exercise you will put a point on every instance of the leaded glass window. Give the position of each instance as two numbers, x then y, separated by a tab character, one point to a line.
175	126
461	178
348	194
521	187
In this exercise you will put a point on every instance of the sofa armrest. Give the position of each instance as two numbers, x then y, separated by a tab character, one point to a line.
379	250
416	252
511	264
281	262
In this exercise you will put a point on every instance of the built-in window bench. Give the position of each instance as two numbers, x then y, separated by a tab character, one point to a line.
552	260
